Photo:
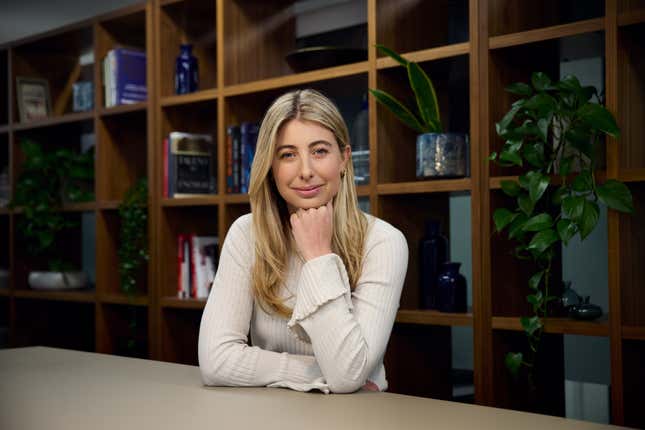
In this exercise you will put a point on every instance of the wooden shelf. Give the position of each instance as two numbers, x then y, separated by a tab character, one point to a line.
632	175
5	292
495	182
63	296
631	17
633	332
426	55
5	211
191	201
363	190
548	33
174	302
236	198
50	122
108	204
598	327
296	79
432	186
122	299
123	109
5	128
432	317
79	207
184	99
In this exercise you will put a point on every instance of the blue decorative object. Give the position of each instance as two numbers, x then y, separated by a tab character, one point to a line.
432	254
451	289
442	155
82	96
186	71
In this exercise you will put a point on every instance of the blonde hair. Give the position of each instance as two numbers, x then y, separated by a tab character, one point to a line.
273	245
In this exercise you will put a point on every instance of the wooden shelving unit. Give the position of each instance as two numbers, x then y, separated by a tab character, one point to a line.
472	49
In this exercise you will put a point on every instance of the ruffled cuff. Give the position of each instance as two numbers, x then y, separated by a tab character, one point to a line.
322	280
318	384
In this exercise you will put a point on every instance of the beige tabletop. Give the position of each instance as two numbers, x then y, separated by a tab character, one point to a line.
47	388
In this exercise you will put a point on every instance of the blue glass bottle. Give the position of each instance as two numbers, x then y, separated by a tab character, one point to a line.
451	289
186	71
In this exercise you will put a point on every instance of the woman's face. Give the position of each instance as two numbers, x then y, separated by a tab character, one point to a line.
307	164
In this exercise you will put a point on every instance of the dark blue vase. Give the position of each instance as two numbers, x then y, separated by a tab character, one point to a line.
186	71
432	254
451	289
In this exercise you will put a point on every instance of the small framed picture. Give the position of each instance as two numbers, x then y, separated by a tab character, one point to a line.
34	101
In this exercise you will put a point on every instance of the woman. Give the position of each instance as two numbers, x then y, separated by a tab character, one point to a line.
315	281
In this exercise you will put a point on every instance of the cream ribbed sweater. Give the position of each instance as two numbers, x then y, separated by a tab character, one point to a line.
336	338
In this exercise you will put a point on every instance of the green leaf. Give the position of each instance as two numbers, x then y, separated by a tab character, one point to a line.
425	94
573	206
540	81
566	230
513	362
506	120
589	219
535	299
390	53
502	217
398	109
534	281
515	231
569	83
525	179
542	103
543	128
492	156
598	118
565	166
616	195
511	188
542	240
534	154
582	182
511	157
558	195
531	325
537	186
538	222
520	88
526	204
581	140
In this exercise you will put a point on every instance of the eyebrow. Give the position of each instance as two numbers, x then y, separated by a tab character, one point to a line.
314	143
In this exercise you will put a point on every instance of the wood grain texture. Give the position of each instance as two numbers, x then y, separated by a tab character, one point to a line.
542	34
431	317
570	326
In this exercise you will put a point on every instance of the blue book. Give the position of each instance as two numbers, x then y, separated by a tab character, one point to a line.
130	76
249	137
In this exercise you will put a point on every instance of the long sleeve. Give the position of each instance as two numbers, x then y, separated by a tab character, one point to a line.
349	333
225	358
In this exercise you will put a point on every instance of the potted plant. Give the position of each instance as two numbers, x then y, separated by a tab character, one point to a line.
439	154
46	180
552	131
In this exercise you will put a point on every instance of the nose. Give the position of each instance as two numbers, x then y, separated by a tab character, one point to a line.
306	172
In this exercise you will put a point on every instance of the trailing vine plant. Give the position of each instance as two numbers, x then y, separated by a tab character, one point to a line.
133	246
552	130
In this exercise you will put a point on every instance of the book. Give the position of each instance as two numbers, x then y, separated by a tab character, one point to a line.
203	262
129	76
165	167
191	165
183	266
231	132
249	136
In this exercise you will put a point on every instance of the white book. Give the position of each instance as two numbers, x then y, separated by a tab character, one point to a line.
203	265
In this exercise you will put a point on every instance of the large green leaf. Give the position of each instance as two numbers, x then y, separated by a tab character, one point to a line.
542	240
559	194
534	281
513	362
515	230
526	204
598	118
569	83
512	157
502	217
520	88
616	195
537	186
583	181
573	206
566	230
540	81
531	325
538	222
565	166
534	154
502	125
426	96
589	219
510	188
390	53
398	109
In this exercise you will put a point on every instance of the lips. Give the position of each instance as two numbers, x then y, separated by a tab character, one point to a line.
306	192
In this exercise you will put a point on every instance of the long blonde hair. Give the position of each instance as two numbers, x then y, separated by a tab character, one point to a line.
272	244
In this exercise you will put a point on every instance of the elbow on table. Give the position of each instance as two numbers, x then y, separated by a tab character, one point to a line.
350	380
344	385
212	366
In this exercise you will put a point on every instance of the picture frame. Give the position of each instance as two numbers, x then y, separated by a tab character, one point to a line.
34	100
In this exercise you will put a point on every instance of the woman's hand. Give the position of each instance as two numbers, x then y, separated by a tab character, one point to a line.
312	230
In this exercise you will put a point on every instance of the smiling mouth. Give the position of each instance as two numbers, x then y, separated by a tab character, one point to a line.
308	188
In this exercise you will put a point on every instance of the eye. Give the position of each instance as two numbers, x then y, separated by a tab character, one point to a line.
286	155
321	151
